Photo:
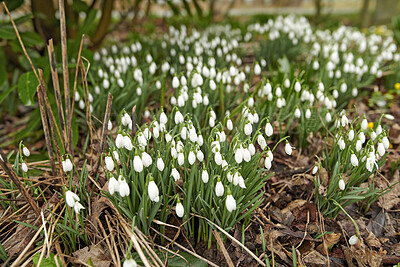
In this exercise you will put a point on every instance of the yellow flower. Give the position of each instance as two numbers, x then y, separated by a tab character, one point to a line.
390	145
370	125
397	86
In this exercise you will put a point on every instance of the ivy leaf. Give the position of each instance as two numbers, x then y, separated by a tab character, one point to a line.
27	85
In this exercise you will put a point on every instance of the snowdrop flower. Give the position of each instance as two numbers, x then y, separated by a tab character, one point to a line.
179	209
315	169
297	86
152	191
248	128
200	140
229	125
200	155
361	136
67	165
163	118
184	133
268	129
381	149
246	155
181	159
126	119
71	198
268	162
239	155
341	143
175	82
297	113
353	240
113	186
358	145
261	141
252	149
191	157
308	113
230	202
351	135
286	83
364	124
127	142
344	120
78	207
109	163
288	148
385	142
109	126
178	117
119	141
24	167
26	151
212	84
160	164
257	69
124	190
342	185
146	159
204	176
137	164
218	158
354	160
219	188
130	263
211	122
175	174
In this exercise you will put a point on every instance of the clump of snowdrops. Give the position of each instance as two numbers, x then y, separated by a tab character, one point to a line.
345	173
172	166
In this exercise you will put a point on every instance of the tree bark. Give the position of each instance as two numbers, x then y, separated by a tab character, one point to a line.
102	27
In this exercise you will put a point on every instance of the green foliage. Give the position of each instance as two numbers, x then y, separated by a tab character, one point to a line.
27	84
46	262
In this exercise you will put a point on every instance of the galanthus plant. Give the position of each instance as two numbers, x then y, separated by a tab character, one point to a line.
173	165
358	151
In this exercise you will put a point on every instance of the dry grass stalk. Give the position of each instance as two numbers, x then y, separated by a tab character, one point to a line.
63	32
56	85
87	102
233	239
224	251
104	131
53	126
78	61
46	129
6	166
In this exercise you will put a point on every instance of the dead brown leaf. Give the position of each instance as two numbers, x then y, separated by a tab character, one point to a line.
98	255
362	255
329	240
314	258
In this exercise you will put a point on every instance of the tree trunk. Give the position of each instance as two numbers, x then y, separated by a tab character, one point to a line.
44	20
102	27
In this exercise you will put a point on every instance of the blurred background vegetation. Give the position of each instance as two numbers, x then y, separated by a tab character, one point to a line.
109	21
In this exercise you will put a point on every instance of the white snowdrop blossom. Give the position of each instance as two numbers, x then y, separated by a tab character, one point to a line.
137	164
180	211
160	164
130	263
67	165
26	151
119	141
175	174
152	190
124	190
342	184
268	129
146	159
109	163
353	240
288	148
354	160
230	203
113	186
24	167
219	188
